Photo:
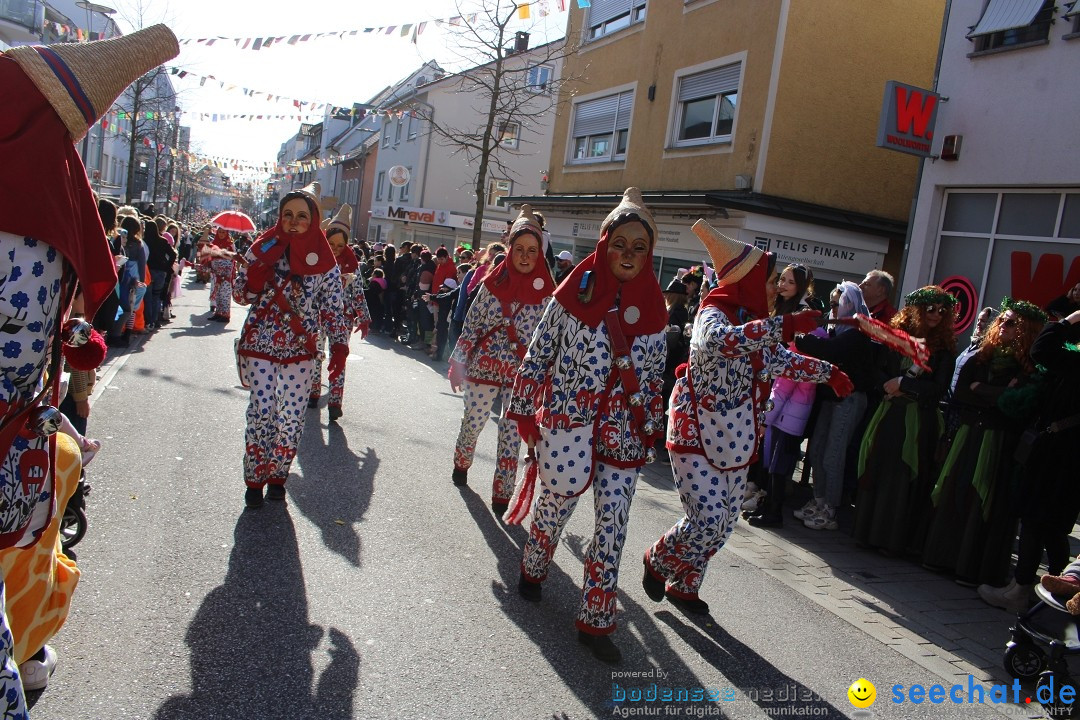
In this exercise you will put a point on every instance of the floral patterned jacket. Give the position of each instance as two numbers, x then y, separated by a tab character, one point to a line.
268	332
354	302
718	406
567	381
485	349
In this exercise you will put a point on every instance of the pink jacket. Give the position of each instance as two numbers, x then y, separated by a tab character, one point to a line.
792	402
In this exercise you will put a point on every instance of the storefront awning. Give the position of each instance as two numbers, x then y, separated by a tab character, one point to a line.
1003	15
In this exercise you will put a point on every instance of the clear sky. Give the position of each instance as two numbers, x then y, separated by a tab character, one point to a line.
334	70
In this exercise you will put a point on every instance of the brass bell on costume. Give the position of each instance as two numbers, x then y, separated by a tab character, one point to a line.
622	362
649	427
769	405
76	332
650	456
44	421
637	400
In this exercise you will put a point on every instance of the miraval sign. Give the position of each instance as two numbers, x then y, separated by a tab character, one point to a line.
411	214
907	121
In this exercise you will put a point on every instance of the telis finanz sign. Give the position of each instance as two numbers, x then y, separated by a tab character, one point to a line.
907	121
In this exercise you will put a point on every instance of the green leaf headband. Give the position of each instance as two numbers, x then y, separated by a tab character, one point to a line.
930	296
1023	308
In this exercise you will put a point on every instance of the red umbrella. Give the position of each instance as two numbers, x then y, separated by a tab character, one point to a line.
233	220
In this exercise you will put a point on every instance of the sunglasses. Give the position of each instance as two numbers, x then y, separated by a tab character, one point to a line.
935	309
1010	322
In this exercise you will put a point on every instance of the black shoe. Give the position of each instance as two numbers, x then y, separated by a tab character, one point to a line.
253	498
603	649
654	588
531	591
499	507
695	606
766	521
275	492
461	477
749	514
313	402
334	411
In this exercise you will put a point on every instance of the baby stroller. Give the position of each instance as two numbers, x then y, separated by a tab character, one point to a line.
1043	639
73	524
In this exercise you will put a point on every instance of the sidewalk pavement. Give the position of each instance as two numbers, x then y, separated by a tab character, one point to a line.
925	616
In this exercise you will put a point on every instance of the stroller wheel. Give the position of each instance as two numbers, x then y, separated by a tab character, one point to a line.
1024	661
72	526
1053	705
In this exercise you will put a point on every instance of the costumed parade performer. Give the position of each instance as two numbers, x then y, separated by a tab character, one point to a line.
50	237
222	261
718	410
291	280
587	401
485	361
356	315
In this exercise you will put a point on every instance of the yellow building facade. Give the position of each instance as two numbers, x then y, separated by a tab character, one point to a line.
760	115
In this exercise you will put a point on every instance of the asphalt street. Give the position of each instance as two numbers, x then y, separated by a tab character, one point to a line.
381	590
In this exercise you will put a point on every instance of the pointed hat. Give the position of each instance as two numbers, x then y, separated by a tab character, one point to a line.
526	222
732	259
631	204
342	221
82	80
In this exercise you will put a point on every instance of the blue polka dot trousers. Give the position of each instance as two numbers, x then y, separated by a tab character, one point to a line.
613	489
275	418
479	399
13	702
711	500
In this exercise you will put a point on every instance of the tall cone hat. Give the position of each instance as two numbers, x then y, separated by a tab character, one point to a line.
732	259
526	222
342	221
631	204
82	80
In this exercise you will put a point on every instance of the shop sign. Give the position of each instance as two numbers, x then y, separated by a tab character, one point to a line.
845	260
908	115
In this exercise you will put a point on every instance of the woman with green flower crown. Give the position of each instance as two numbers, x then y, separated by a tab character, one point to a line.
974	524
896	460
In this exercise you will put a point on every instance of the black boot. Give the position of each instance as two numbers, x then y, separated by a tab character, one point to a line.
654	587
529	590
772	513
253	498
275	492
460	476
603	649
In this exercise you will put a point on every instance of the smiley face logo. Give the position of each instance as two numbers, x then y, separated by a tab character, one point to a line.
862	693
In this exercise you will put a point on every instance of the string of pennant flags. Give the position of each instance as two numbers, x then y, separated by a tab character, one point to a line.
409	30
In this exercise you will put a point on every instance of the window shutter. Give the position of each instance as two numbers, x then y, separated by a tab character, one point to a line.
1005	15
709	83
596	117
603	10
626	107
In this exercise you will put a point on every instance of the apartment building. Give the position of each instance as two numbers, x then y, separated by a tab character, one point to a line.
759	115
998	212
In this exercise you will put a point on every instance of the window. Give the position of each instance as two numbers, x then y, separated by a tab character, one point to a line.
412	126
608	16
386	133
400	127
508	134
380	185
540	79
601	128
705	112
403	193
1008	23
1073	16
497	190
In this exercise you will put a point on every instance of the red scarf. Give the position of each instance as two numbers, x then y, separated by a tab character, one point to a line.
642	293
509	284
347	261
44	193
302	248
748	294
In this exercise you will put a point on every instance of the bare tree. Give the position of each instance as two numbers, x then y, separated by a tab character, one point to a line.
146	107
506	84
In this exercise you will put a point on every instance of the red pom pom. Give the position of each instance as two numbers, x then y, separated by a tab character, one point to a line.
680	371
88	356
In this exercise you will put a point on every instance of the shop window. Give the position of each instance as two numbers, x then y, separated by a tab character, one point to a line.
970	212
1013	23
601	128
706	109
1032	214
609	16
1070	218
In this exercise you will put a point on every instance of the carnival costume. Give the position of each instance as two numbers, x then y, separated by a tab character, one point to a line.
718	408
50	236
222	272
897	470
498	326
293	284
356	316
588	395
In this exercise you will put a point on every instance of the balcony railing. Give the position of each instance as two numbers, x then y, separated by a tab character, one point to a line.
29	14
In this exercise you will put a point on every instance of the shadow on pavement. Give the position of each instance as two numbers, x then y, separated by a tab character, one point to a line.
251	642
550	623
336	488
744	668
